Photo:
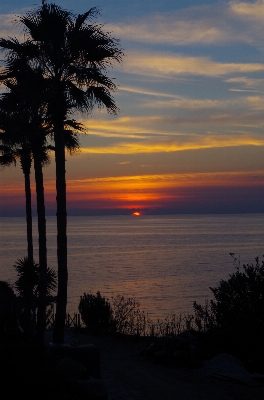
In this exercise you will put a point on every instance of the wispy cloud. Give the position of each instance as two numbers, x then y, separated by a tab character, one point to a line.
143	91
174	180
185	103
256	102
244	103
184	142
226	23
247	83
250	10
171	65
190	116
169	29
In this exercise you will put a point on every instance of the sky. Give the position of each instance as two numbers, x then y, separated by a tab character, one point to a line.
189	134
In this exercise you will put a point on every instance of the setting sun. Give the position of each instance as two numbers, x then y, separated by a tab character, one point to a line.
136	214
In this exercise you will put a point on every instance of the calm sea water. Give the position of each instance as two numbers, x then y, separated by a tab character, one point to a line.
164	262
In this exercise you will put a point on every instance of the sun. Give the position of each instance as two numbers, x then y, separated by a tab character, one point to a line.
136	214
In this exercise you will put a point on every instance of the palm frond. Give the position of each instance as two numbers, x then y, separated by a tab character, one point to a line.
102	97
7	159
72	123
72	142
76	97
82	17
27	273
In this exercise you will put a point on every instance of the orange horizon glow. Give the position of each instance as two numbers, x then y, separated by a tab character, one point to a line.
141	192
152	191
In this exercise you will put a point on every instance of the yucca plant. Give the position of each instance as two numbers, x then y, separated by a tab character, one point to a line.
27	288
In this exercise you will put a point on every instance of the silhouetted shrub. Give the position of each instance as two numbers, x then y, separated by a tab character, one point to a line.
124	316
96	312
128	319
27	283
236	314
173	324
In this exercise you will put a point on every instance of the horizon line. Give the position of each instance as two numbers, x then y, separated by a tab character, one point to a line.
143	212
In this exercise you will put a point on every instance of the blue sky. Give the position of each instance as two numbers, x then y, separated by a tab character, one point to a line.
191	99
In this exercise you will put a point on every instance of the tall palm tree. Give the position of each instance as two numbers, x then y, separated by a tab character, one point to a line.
26	110
9	154
73	56
25	135
14	138
16	146
24	131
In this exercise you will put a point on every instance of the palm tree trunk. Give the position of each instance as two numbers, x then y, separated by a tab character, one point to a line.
41	316
59	328
25	161
29	219
26	166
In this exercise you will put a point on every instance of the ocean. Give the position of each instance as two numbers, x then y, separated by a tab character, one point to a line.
164	262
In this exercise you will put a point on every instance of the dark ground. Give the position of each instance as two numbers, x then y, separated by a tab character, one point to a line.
127	373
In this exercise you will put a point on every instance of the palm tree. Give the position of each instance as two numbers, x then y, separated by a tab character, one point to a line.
14	123
24	132
9	156
73	56
11	151
25	135
24	108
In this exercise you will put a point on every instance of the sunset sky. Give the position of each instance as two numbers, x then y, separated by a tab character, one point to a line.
189	136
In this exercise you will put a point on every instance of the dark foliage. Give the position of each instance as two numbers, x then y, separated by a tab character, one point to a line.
27	288
128	318
29	276
235	317
96	312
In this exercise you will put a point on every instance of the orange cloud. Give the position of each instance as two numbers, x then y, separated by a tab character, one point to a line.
146	191
152	190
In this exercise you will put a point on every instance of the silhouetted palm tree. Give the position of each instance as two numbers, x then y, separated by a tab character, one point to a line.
22	141
73	56
25	107
25	132
9	155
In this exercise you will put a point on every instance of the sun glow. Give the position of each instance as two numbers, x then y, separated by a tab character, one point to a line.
136	214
